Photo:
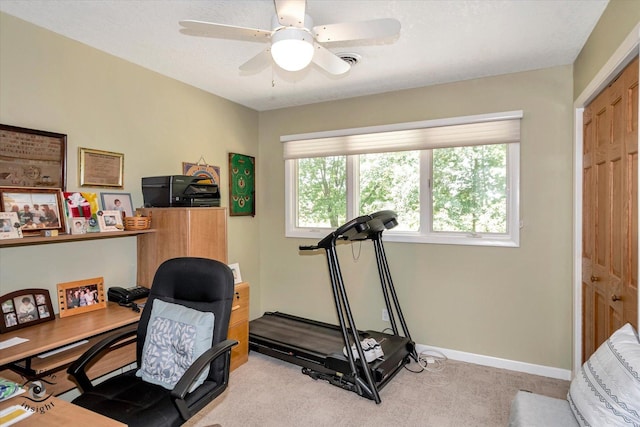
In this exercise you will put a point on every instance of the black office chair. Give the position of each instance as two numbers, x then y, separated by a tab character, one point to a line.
201	284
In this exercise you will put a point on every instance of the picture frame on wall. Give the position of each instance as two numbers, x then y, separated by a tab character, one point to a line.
242	194
117	202
101	168
202	170
25	307
81	296
32	158
37	208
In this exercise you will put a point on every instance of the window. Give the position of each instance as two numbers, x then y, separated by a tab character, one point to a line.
451	181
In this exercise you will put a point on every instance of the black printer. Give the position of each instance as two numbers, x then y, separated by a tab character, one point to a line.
179	191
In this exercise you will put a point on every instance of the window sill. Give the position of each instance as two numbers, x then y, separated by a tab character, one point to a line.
408	237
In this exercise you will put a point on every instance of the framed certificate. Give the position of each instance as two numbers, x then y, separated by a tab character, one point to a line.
101	168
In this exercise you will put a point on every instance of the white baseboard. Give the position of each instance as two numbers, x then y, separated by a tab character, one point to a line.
496	362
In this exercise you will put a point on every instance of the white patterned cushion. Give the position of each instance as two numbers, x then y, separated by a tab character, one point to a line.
606	390
176	336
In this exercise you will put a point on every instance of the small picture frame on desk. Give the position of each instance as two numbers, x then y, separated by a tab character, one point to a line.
81	296
24	308
235	269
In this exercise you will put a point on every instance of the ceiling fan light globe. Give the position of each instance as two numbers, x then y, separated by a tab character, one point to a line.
292	48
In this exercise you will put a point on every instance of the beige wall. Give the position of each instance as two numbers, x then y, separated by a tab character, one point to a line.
52	83
512	303
617	21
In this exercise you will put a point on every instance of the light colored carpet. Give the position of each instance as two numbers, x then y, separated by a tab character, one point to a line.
269	392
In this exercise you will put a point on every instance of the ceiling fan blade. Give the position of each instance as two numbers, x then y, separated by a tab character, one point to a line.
329	61
290	12
374	29
258	62
210	29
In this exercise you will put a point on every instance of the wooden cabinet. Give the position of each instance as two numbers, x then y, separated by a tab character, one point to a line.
199	232
239	325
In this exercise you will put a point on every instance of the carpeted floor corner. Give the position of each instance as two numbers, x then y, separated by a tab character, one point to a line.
268	392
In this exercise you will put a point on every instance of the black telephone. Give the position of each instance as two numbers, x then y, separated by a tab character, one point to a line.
125	296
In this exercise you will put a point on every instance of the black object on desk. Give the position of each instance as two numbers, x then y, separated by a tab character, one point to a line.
127	295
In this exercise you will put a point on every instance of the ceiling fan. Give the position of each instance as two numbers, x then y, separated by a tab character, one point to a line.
295	41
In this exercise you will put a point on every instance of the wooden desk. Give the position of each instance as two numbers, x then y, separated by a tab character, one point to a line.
94	326
56	412
44	337
60	332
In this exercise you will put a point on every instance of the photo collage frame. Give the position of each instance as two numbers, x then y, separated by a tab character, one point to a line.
25	307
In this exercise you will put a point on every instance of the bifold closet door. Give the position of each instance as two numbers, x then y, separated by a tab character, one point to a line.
610	211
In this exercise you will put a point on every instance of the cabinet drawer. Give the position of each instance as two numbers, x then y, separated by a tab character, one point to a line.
240	305
239	353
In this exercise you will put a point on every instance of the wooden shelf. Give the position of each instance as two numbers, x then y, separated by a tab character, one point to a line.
39	240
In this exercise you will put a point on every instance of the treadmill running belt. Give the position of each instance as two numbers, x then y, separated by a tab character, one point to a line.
309	336
319	346
314	338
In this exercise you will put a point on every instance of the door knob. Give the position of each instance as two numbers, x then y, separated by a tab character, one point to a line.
615	297
594	278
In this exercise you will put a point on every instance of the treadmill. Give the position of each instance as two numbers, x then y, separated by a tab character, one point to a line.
318	346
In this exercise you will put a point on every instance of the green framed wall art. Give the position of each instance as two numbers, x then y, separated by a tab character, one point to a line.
242	188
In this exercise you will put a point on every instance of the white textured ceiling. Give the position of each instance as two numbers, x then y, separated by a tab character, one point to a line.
440	41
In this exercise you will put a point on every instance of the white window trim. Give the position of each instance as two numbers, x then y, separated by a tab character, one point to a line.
509	239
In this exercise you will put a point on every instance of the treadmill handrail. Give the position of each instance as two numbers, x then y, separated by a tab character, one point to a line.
383	220
361	228
356	229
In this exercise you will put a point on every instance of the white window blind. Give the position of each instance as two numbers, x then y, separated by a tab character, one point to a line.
496	128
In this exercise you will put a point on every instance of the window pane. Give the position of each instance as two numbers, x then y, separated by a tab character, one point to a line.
392	181
322	192
470	189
